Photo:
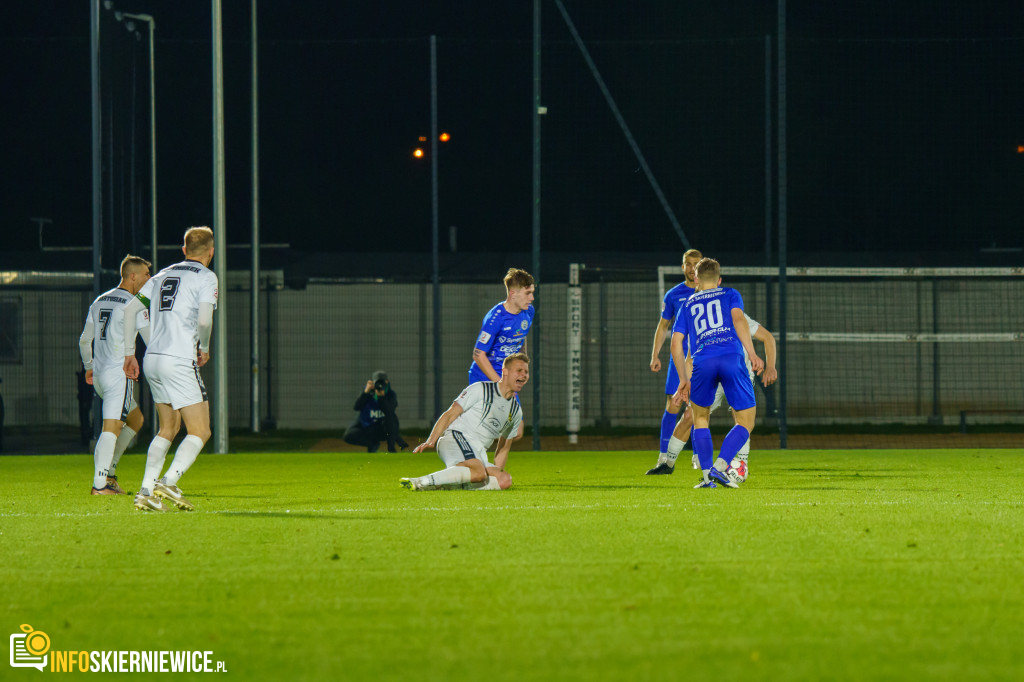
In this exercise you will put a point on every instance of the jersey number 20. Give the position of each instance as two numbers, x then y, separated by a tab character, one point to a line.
168	290
714	316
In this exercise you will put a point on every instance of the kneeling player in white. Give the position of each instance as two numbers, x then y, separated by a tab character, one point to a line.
485	410
181	301
739	468
101	346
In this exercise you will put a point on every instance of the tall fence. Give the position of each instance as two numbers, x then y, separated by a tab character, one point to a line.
902	350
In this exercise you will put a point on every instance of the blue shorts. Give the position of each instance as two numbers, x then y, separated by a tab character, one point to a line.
672	380
730	371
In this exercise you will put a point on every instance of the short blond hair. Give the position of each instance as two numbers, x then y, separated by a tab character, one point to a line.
132	264
692	253
518	279
708	270
198	240
515	356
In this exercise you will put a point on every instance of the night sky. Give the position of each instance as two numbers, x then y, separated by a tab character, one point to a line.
904	121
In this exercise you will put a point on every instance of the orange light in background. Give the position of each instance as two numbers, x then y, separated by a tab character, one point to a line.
423	138
1020	149
418	153
444	137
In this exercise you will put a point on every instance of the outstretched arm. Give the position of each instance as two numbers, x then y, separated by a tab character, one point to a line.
659	340
682	394
770	373
443	422
739	323
501	452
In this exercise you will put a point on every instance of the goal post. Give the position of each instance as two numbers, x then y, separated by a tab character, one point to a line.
871	350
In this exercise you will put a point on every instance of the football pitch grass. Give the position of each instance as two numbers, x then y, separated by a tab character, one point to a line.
838	565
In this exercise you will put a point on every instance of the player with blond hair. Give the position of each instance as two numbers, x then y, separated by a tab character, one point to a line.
483	412
670	420
713	320
101	346
181	300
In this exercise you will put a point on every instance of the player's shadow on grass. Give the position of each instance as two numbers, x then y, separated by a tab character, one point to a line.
845	472
585	486
301	515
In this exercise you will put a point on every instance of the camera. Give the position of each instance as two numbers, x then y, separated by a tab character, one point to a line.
380	384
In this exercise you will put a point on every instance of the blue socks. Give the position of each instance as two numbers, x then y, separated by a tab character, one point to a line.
734	440
668	425
704	448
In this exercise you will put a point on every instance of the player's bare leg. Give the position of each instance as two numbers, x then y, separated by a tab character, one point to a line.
197	424
170	422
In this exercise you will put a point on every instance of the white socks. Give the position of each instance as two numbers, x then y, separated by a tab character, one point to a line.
453	477
123	441
102	457
183	459
490	484
675	446
154	463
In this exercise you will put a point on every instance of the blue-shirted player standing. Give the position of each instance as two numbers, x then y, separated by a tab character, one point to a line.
672	303
504	329
713	320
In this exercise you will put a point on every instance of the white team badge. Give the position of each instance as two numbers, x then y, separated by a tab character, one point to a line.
524	324
484	337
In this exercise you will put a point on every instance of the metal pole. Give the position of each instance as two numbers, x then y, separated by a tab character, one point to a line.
152	144
220	357
434	226
536	217
782	204
254	270
771	409
97	153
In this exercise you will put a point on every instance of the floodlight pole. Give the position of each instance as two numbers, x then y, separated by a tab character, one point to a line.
220	357
152	134
254	270
434	221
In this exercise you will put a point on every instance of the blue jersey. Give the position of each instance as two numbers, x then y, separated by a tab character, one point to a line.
706	319
674	300
501	335
670	307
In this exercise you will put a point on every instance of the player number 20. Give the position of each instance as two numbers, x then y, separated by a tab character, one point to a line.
713	319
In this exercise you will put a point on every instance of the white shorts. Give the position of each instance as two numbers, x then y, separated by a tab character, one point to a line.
720	392
453	447
117	392
174	381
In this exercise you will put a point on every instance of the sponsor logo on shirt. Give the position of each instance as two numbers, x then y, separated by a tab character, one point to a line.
484	337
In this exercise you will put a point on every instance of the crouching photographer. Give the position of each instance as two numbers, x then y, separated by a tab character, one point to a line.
377	420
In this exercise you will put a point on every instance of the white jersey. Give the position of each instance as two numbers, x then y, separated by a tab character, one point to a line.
754	326
486	414
173	296
106	317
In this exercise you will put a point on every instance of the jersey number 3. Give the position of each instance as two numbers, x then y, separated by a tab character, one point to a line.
714	317
168	290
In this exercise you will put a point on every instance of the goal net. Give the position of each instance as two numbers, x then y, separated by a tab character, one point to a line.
871	357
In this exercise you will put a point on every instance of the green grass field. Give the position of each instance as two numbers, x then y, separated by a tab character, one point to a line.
849	565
